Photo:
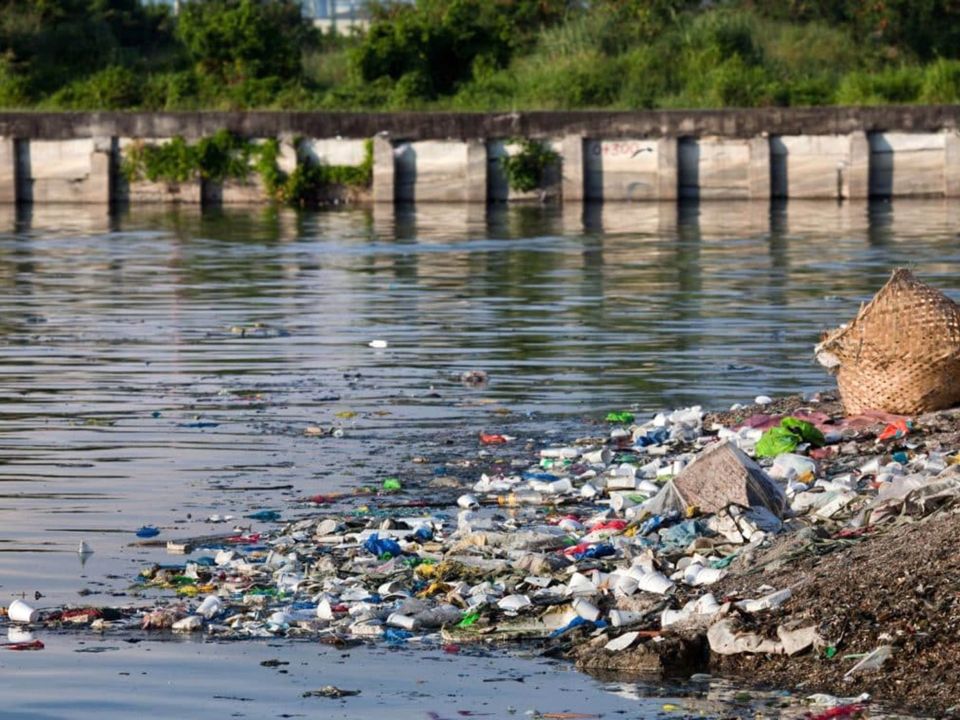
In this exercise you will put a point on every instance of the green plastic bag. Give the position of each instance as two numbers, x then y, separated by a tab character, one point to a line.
468	620
786	436
624	416
807	431
392	485
775	441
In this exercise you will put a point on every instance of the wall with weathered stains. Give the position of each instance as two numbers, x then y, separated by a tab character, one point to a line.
450	157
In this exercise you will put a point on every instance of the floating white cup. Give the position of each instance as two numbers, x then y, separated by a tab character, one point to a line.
626	584
654	582
707	605
586	609
563	453
697	575
325	610
619	618
21	612
580	584
402	621
672	617
468	501
598	457
210	607
589	490
622	482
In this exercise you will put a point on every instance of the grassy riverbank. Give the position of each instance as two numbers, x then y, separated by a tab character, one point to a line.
478	55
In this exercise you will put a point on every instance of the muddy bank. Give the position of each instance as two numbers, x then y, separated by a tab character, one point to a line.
861	585
898	587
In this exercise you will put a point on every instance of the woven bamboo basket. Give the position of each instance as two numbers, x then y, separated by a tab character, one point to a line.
901	353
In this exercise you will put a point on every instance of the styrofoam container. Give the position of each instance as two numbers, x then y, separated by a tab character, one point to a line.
22	612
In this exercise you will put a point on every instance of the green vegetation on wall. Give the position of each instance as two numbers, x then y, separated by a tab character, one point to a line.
478	55
225	156
525	169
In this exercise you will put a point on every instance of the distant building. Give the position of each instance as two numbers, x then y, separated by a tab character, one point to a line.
337	15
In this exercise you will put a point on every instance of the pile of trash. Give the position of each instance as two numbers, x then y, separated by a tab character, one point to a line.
641	549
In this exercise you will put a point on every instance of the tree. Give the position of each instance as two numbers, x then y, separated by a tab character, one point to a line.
236	40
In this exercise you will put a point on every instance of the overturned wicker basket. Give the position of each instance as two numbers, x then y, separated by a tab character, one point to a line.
901	353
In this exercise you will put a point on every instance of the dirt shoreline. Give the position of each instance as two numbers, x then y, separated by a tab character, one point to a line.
896	584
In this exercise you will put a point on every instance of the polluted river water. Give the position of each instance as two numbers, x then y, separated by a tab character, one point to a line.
160	367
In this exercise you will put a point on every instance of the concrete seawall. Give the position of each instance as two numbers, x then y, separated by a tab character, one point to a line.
444	157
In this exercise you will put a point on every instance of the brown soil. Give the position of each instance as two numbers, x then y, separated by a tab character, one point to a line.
899	587
896	584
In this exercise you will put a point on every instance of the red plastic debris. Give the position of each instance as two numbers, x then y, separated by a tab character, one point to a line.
251	539
451	648
492	439
896	430
609	525
32	645
582	547
853	532
841	711
321	499
80	615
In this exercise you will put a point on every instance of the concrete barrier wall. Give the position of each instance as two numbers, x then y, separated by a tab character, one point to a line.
438	157
722	168
809	166
75	170
908	164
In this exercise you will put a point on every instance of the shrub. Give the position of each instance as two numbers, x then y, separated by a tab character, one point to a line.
238	39
174	161
436	42
579	81
646	74
723	34
114	88
889	85
525	169
941	82
14	89
806	91
734	83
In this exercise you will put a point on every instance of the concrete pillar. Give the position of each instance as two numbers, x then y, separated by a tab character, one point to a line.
100	188
287	159
855	183
572	189
668	179
758	171
383	170
951	164
8	171
476	191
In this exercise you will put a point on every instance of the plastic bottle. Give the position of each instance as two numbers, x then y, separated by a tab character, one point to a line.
520	498
563	453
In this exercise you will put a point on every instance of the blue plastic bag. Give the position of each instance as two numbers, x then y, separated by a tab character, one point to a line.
396	636
681	535
381	547
597	551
